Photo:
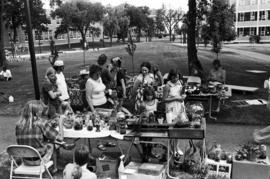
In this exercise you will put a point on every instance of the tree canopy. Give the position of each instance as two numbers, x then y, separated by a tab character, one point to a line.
14	15
79	15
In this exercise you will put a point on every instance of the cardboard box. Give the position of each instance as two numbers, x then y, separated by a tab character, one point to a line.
132	172
251	170
221	168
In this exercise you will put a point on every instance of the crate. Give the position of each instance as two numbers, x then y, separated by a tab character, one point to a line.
221	168
109	166
132	172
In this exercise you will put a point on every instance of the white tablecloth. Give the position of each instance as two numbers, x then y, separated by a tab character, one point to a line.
84	133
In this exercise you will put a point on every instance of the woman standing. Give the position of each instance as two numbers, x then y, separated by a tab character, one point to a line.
95	89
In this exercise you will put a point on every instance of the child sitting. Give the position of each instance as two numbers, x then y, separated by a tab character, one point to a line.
149	103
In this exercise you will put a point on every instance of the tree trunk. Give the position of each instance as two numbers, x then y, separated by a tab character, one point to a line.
68	38
103	43
139	35
111	40
2	45
170	33
14	35
93	40
194	65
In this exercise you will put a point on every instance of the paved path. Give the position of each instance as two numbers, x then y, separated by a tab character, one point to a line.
258	57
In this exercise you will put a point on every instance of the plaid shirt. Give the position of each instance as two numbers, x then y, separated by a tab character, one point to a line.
38	136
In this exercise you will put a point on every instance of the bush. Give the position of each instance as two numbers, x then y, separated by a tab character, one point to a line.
254	39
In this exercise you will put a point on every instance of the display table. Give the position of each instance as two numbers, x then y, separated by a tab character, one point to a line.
140	133
84	133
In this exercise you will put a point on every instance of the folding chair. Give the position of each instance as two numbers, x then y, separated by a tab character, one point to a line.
23	171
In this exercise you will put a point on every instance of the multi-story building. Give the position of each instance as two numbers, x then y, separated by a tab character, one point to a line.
252	18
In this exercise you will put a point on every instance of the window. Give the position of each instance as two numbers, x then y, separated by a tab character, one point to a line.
252	31
246	31
247	16
262	31
253	16
240	31
46	35
262	15
241	16
267	31
25	36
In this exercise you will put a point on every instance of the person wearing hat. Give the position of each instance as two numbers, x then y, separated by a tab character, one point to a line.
60	80
51	94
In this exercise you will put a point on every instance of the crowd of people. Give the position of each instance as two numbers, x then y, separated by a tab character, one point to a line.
103	86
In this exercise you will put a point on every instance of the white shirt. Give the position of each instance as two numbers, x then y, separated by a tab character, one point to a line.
62	86
95	89
6	74
86	174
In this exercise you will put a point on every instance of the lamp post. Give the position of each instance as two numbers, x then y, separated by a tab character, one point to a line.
31	49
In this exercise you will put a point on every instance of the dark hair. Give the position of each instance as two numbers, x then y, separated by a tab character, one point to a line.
102	59
216	62
148	91
4	68
94	69
81	155
117	62
146	64
173	73
58	68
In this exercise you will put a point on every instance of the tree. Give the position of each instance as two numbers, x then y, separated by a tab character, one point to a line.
160	21
194	65
221	20
80	15
205	34
138	16
110	24
149	29
171	19
15	15
2	50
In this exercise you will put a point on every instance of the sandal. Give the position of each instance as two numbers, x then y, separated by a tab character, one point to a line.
101	147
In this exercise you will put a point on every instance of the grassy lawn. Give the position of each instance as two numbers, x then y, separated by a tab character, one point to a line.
167	56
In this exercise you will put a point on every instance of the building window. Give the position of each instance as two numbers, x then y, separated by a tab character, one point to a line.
262	31
267	31
252	31
240	31
262	15
246	31
241	16
46	35
253	16
25	36
247	16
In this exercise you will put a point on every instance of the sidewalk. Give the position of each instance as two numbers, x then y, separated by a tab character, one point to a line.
229	48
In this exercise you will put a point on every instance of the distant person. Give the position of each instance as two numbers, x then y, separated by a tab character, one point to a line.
52	46
217	73
51	94
5	74
78	169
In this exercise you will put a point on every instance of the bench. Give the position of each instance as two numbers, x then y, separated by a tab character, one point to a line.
244	89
